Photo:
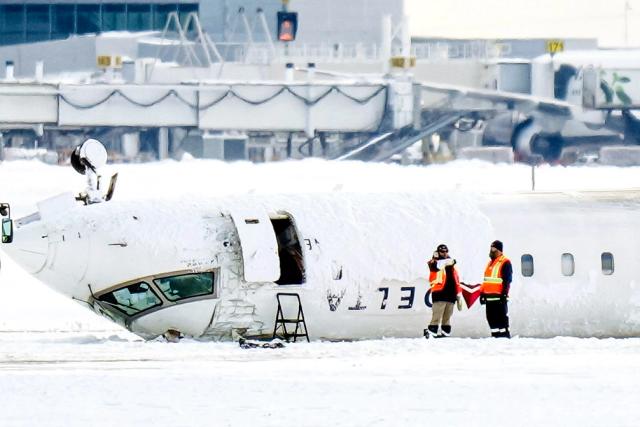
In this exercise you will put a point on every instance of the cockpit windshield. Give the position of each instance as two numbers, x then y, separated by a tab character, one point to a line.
183	286
132	299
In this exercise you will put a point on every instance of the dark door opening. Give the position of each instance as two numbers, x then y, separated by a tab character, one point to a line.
289	251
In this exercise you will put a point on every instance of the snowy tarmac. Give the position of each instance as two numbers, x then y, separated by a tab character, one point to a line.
61	365
111	378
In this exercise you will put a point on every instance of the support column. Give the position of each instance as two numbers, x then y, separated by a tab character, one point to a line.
131	144
9	71
163	143
39	72
288	72
385	51
310	128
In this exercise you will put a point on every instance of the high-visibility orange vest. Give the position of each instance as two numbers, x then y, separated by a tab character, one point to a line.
437	280
492	283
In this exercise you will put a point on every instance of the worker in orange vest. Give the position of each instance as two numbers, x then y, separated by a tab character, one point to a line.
495	291
445	292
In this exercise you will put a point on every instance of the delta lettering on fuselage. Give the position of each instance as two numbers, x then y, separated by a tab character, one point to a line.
407	298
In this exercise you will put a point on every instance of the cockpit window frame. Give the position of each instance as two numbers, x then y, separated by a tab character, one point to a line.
128	318
120	308
168	297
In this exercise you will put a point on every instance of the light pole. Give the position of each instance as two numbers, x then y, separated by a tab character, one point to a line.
627	9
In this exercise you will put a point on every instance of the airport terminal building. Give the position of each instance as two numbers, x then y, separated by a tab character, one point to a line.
109	49
329	21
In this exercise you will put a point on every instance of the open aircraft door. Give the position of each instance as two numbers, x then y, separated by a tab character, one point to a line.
259	245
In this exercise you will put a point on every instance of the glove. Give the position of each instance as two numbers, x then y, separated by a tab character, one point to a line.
459	302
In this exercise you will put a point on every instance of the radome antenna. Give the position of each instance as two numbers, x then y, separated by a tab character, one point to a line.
86	159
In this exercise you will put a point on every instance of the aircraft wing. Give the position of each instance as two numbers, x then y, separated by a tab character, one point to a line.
466	98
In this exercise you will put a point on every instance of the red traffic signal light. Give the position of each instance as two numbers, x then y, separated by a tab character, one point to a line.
287	26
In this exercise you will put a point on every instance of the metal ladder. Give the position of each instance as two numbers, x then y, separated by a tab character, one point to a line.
280	327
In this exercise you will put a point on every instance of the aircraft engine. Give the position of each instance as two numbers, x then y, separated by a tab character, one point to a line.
530	142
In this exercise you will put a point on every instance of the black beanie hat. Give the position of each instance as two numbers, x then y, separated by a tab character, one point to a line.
442	247
497	244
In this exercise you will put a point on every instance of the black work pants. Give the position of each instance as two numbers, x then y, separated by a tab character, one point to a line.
497	315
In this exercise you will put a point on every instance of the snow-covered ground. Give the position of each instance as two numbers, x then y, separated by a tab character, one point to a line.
60	365
89	379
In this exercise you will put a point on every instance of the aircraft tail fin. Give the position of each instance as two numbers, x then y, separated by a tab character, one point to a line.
470	293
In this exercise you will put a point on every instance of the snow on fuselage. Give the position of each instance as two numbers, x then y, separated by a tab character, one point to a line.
210	267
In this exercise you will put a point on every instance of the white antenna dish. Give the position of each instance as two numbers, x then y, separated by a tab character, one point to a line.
94	153
86	159
90	154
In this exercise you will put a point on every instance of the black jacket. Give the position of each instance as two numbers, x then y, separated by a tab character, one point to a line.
507	275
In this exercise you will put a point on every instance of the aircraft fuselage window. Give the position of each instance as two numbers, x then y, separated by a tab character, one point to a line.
289	251
607	263
175	288
526	263
567	264
131	299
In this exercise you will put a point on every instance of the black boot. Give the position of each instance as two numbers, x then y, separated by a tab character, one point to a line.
432	330
503	333
446	331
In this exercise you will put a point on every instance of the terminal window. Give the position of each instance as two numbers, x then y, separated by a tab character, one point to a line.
12	23
38	25
31	22
139	17
114	17
63	21
161	14
88	18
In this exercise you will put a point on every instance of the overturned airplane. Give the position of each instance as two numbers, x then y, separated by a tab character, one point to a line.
334	266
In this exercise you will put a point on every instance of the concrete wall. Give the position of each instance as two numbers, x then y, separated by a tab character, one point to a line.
221	20
340	21
319	21
77	53
505	48
461	72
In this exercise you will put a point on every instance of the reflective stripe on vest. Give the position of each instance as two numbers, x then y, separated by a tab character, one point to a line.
437	279
493	276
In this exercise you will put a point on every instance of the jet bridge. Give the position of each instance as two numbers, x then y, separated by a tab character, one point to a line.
334	106
393	111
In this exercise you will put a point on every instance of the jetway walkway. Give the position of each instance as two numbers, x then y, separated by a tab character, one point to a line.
333	106
394	110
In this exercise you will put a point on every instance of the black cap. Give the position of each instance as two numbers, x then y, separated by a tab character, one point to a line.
497	244
442	247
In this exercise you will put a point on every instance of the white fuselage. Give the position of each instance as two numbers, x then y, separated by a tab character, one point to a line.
363	261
